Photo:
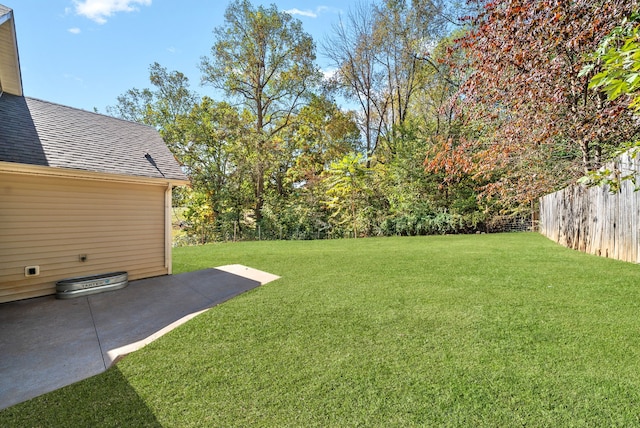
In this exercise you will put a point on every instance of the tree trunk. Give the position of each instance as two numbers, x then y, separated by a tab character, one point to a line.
260	167
586	158
597	160
259	191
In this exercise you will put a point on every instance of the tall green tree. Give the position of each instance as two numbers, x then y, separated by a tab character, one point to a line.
347	190
263	58
402	31
319	135
378	51
352	49
170	98
214	146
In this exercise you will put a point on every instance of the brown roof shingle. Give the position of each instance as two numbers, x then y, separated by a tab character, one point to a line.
38	132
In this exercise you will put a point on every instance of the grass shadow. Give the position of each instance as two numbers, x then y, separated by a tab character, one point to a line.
103	400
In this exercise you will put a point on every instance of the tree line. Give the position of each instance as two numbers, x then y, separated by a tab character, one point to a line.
457	113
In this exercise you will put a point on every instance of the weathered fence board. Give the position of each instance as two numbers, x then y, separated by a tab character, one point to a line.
593	220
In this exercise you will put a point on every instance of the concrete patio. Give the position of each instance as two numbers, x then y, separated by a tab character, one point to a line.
46	343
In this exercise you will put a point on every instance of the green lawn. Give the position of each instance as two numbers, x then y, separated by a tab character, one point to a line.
481	330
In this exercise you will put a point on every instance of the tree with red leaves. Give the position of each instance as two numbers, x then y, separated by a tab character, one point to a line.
532	123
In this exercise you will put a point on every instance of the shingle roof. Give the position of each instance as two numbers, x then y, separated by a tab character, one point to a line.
38	132
4	10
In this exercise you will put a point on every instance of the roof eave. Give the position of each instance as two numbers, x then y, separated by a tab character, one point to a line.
38	170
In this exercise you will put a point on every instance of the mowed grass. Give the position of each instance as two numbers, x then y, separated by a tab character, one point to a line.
482	330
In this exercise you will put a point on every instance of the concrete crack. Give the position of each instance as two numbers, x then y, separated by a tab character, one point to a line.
104	363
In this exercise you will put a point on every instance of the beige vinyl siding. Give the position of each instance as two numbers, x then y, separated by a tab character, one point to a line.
9	66
50	221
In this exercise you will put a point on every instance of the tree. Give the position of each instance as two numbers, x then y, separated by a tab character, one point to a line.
160	107
617	62
347	189
378	53
135	105
352	49
320	133
213	147
402	30
264	59
526	103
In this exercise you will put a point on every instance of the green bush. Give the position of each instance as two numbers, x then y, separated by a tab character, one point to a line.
431	224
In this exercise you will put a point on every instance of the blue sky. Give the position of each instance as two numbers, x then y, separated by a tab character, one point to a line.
84	53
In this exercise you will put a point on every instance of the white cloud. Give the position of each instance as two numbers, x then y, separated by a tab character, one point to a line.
74	78
100	10
307	13
74	30
310	13
329	73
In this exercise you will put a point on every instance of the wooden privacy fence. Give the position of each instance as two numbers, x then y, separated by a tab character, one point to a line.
593	220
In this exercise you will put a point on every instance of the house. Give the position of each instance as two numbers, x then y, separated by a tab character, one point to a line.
80	193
